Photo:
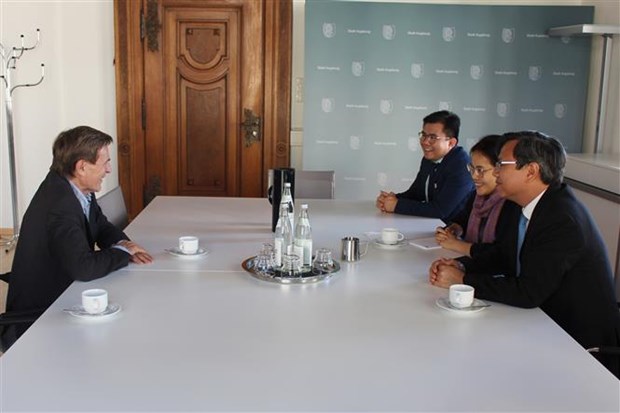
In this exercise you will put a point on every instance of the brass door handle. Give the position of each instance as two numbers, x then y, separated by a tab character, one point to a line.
252	127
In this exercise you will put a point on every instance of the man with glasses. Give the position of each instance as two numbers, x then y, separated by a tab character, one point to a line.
553	258
442	185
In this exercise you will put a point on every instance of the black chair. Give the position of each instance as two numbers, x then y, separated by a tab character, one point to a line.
14	323
608	356
611	350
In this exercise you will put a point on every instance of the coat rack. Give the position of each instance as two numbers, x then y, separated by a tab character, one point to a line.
10	57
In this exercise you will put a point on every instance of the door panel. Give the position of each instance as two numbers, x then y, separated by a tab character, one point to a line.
184	89
202	99
203	140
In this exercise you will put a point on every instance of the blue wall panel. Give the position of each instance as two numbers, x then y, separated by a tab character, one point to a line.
374	70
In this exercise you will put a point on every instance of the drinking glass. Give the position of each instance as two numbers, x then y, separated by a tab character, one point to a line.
269	250
323	260
291	265
263	263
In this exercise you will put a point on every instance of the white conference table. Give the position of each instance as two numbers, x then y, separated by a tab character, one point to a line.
203	335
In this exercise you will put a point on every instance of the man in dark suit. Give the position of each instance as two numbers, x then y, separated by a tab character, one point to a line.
562	266
442	185
63	223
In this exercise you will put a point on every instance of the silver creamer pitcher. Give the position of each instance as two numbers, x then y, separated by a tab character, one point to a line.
351	250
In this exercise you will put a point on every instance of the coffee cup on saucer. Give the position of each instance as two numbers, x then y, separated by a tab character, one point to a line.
461	295
95	301
188	244
391	236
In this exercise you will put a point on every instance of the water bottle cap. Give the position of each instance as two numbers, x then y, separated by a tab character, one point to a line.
304	206
287	184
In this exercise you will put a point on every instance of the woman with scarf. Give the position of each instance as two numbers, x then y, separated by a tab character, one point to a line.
487	212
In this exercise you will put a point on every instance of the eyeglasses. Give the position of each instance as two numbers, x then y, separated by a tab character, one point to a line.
477	170
499	164
431	137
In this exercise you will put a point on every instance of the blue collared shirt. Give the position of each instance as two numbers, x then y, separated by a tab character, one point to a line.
84	199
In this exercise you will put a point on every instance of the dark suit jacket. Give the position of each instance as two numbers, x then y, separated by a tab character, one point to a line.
56	246
564	270
449	186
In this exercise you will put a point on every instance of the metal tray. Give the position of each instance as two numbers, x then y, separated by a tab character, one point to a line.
275	276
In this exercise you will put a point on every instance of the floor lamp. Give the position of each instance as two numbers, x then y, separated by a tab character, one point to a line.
10	58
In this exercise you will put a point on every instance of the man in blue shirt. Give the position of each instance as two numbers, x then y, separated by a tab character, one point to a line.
443	184
63	223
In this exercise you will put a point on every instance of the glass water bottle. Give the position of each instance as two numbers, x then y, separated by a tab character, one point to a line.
303	238
283	238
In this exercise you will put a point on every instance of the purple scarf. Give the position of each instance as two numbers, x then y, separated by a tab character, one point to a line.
488	207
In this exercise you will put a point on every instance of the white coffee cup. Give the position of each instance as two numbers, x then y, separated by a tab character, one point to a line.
95	301
461	295
188	244
391	236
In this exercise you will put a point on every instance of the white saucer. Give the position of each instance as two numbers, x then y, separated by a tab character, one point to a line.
178	253
78	311
379	243
444	303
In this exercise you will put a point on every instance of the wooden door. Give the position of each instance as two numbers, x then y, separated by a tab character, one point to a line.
203	96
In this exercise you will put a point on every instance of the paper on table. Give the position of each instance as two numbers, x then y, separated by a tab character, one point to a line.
428	243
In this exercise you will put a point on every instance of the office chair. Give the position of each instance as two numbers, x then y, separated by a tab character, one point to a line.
315	184
611	350
14	323
608	356
113	206
605	354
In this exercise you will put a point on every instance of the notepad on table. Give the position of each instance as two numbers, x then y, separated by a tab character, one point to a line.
427	243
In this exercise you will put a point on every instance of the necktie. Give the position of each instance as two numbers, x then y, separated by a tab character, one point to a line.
428	180
521	235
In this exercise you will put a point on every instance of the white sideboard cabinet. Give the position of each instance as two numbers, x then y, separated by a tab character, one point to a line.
595	179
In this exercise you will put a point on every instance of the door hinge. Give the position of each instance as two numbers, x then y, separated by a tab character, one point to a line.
142	26
143	113
151	189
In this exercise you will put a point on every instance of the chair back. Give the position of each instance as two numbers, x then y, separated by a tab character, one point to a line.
113	206
315	184
5	277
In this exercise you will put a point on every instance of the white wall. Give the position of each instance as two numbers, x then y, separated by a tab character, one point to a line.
606	12
77	47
